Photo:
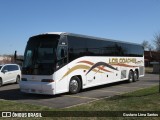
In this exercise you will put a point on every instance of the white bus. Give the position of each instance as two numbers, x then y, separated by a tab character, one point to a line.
61	62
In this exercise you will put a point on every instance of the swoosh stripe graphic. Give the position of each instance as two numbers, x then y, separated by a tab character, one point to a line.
91	63
88	62
76	68
102	68
101	64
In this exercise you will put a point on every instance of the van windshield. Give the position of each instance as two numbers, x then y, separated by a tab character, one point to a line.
40	55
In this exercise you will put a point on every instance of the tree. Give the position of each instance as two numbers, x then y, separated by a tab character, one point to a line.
147	45
150	47
157	41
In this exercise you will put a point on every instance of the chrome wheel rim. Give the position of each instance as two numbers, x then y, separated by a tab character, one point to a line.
131	77
135	76
73	85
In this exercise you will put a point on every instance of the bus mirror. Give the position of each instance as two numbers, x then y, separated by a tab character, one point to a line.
15	55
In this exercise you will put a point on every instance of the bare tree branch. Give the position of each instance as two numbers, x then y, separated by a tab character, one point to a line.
157	41
147	45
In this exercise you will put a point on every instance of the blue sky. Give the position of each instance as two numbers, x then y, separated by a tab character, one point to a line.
125	20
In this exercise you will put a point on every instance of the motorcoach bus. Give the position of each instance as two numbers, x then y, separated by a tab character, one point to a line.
59	62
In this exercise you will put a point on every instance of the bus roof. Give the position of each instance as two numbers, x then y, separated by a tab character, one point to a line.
86	36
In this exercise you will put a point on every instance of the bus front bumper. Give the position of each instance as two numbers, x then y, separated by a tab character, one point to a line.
37	87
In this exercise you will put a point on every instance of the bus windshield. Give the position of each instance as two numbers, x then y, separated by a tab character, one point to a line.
40	55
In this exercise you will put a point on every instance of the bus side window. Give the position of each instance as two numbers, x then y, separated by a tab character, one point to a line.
62	53
61	56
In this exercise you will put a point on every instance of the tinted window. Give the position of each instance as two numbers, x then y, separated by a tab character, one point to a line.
93	47
61	56
108	48
131	50
79	47
12	67
5	68
40	55
62	52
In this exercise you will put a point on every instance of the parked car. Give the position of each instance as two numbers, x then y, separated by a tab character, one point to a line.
9	73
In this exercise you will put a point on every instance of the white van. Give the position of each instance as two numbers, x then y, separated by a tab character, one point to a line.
9	73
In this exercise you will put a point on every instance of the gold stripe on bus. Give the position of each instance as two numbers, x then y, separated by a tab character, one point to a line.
84	67
124	65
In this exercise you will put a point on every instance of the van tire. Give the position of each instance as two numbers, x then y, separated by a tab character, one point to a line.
1	82
17	79
74	85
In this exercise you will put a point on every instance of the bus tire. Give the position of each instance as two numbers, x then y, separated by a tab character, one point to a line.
135	76
130	76
74	85
1	82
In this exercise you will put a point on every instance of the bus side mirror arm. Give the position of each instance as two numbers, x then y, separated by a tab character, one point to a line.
15	57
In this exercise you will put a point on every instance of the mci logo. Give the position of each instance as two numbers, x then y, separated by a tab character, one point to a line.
6	114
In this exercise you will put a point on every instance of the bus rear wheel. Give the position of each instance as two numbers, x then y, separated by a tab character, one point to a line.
74	85
130	76
135	76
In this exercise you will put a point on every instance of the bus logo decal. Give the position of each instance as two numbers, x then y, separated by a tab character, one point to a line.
101	64
78	67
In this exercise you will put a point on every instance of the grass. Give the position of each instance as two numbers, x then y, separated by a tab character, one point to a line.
142	100
145	99
6	105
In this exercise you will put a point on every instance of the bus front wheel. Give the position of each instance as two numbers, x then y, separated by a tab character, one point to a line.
74	85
